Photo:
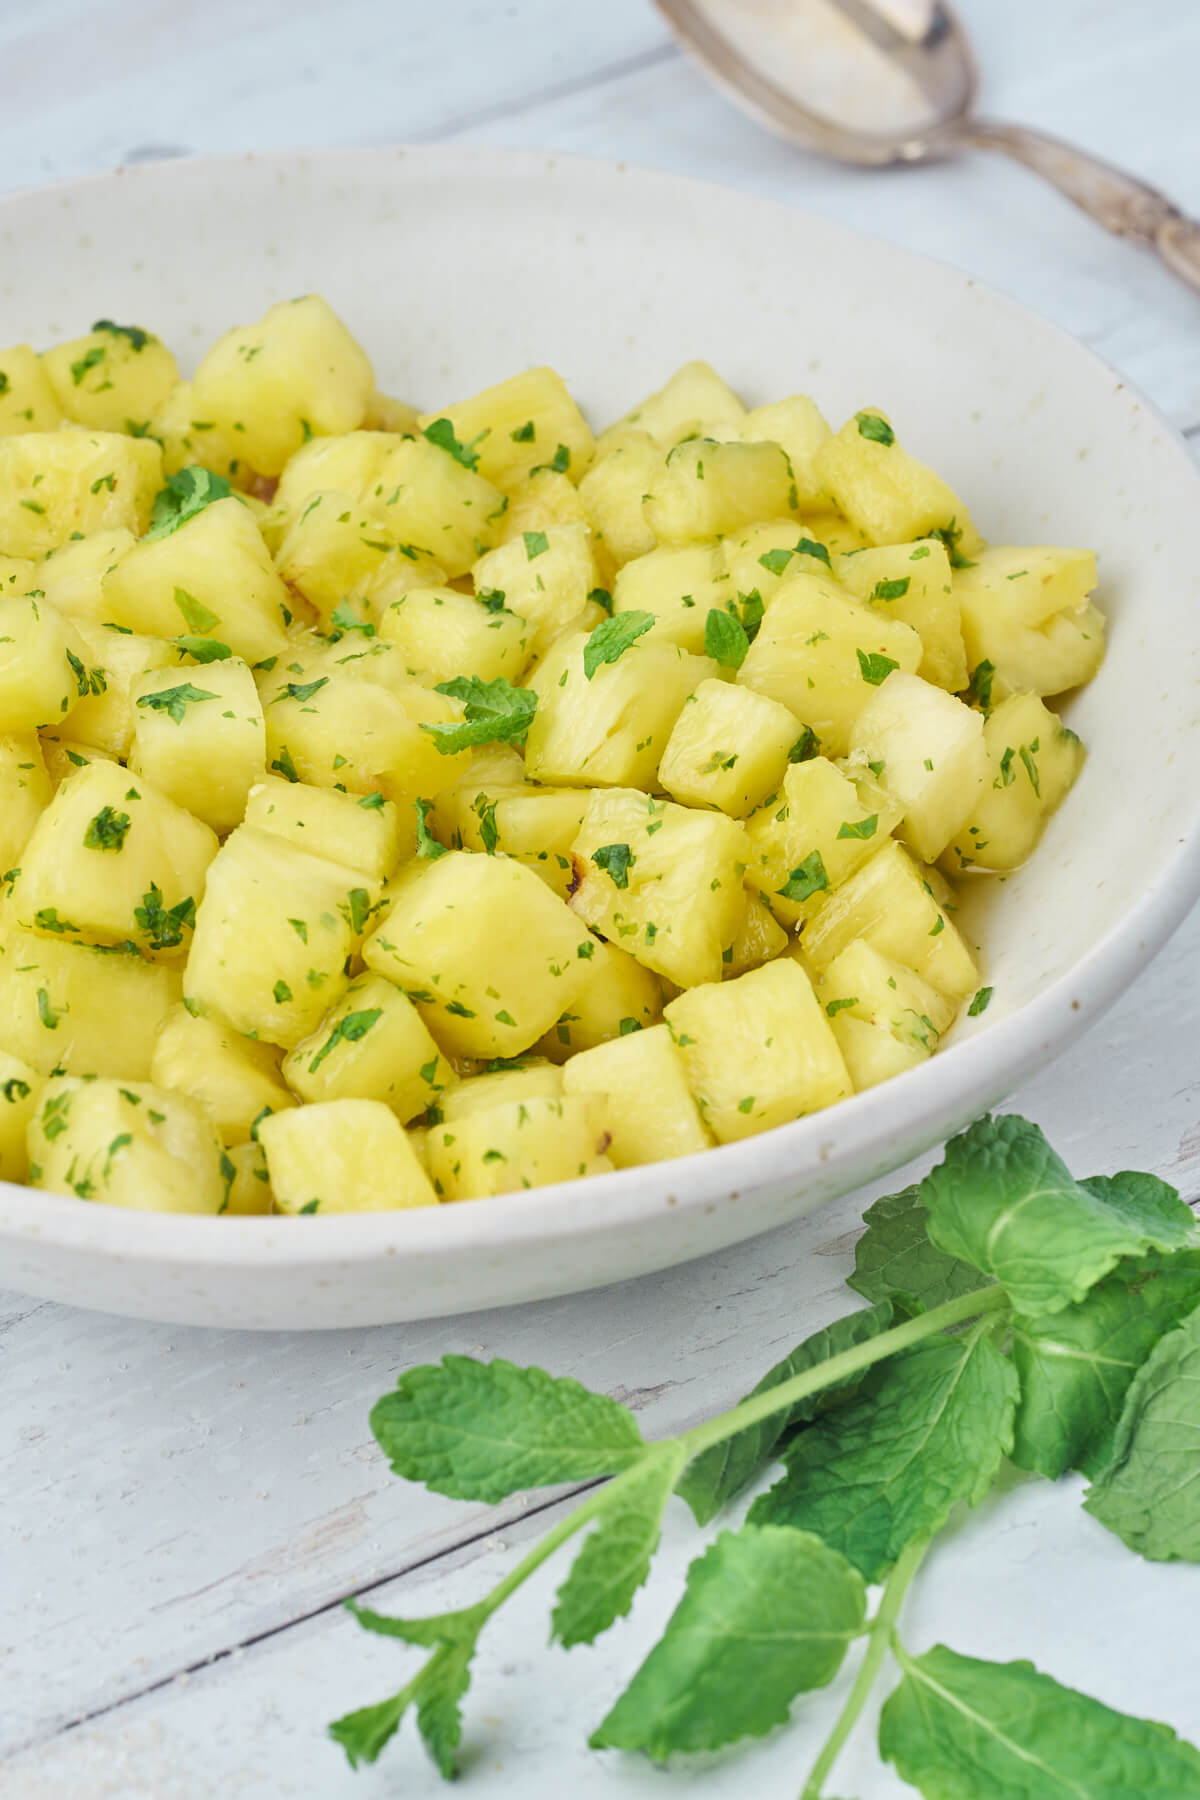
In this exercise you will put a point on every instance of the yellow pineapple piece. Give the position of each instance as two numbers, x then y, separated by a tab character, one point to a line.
350	464
628	465
27	400
363	832
72	577
386	413
651	1113
125	1144
372	1045
761	557
544	498
116	659
615	997
531	1079
1033	763
188	439
891	904
205	748
706	489
232	1079
758	938
248	1190
800	428
526	422
63	755
545	577
1028	620
885	1017
694	392
20	1091
431	501
88	1011
114	378
537	826
520	1144
43	672
342	1156
911	582
340	730
728	749
886	493
931	749
758	1051
26	790
54	484
441	633
813	834
680	587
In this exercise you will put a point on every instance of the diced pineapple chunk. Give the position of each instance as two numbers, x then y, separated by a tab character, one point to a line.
822	655
611	730
1027	618
113	861
72	577
126	1144
758	1051
800	428
761	557
530	1079
340	730
338	545
526	422
931	749
20	1091
885	1017
1033	763
27	400
89	1011
56	483
43	671
363	832
680	587
210	577
663	882
372	1045
728	749
486	951
18	574
707	488
232	1079
441	633
248	1190
651	1112
296	374
432	501
544	577
758	938
25	792
613	491
537	826
695	392
272	937
891	904
349	464
520	1144
615	998
116	658
113	379
63	755
890	496
386	413
542	499
813	834
188	438
911	582
342	1156
207	750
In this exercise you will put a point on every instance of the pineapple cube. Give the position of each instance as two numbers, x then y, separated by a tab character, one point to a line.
822	655
363	832
386	413
813	834
651	1112
934	762
232	1079
527	422
437	504
114	379
1027	618
18	574
205	752
489	955
351	464
542	499
911	582
343	1156
615	998
662	881
210	577
26	791
105	717
1033	762
530	1079
680	587
760	558
273	936
188	439
248	1190
758	1051
113	861
520	1144
891	904
20	1091
125	1145
27	400
835	531
800	428
613	490
54	484
89	1011
62	755
43	673
885	1018
72	577
338	730
537	826
441	633
707	489
729	748
338	545
886	493
758	938
611	730
296	374
695	393
371	1046
545	577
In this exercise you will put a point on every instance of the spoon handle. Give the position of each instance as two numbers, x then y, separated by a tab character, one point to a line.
1122	203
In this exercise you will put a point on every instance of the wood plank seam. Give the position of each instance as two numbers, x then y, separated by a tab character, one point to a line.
566	90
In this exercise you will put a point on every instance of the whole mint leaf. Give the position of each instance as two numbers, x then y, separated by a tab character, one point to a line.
723	1470
615	1558
766	1614
481	1431
925	1429
436	1689
1004	1202
612	638
894	1259
187	493
495	712
1075	1366
1149	1493
961	1729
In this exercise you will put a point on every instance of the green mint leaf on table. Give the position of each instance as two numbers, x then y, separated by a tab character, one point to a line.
496	713
436	1690
187	493
615	1558
202	650
925	1429
958	1727
871	426
722	1471
894	1259
1076	1366
441	433
767	1614
1149	1493
427	844
1002	1200
612	637
725	639
809	878
175	701
482	1431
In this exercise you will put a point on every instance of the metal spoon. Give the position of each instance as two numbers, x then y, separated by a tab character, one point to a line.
894	81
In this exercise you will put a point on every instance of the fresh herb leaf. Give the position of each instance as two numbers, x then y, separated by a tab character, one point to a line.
87	361
195	616
344	618
725	639
859	828
175	701
979	690
601	597
496	713
807	879
441	432
427	844
187	493
108	830
877	430
202	650
138	339
1147	1493
875	667
980	1003
304	690
612	637
806	746
615	1558
894	1259
536	544
436	1690
164	926
949	536
350	1030
892	590
485	811
616	861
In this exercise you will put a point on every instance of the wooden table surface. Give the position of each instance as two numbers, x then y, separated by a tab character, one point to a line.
183	1511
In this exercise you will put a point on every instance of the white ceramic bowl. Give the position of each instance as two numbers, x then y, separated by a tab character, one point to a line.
456	267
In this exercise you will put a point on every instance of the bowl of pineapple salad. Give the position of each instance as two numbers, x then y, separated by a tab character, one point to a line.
510	783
